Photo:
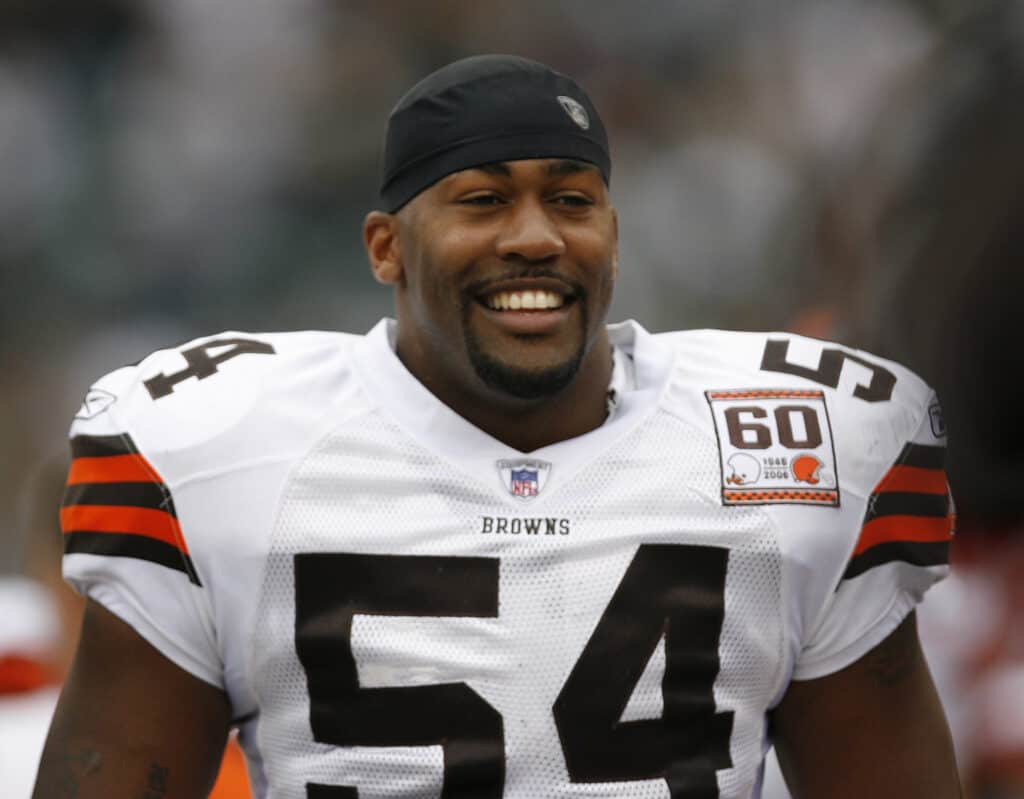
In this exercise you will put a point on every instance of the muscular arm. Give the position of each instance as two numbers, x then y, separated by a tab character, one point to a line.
875	728
131	723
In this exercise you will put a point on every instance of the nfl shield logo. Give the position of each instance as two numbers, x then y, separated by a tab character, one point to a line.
524	482
525	478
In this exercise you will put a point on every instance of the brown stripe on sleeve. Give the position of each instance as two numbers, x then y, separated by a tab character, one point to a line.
117	505
909	517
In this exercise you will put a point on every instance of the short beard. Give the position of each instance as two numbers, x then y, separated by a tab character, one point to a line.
520	383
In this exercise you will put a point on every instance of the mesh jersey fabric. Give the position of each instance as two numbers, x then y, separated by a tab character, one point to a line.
385	615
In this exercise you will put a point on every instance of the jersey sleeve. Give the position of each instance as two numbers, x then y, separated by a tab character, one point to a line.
900	549
124	544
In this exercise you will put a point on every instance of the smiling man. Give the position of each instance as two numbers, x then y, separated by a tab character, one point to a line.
497	547
500	239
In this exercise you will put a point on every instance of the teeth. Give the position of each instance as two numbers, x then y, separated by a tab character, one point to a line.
524	300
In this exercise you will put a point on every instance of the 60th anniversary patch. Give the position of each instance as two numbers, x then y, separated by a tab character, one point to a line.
775	447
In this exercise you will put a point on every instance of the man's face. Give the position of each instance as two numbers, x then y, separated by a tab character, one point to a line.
506	275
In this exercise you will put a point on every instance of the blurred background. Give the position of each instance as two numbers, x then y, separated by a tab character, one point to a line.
849	170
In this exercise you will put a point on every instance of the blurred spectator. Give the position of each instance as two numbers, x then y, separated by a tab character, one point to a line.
29	682
927	239
205	165
38	635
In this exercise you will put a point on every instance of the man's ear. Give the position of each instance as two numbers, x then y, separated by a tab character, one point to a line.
380	237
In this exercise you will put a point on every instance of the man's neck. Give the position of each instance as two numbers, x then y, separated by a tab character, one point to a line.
528	425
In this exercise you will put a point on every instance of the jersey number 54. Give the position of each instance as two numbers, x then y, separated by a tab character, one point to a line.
671	590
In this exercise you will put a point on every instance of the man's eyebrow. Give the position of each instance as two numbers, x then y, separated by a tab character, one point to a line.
495	168
562	166
569	166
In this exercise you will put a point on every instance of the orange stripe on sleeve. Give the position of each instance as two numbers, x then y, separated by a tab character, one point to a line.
123	519
112	469
914	479
923	529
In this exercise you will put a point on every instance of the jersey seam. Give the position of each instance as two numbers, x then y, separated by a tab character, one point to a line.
212	474
778	679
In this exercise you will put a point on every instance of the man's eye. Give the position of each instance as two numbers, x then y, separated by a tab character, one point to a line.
481	199
573	200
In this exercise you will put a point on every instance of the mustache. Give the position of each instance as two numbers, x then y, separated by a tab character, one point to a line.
526	271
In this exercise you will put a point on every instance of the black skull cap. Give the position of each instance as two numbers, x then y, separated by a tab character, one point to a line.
483	110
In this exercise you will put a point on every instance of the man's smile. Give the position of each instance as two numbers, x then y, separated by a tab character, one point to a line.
528	306
524	300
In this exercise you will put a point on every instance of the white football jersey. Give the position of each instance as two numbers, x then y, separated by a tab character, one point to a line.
398	605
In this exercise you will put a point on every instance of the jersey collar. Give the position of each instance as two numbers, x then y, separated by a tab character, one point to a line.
640	378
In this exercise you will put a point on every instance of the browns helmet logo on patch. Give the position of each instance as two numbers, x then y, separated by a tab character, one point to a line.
745	469
806	468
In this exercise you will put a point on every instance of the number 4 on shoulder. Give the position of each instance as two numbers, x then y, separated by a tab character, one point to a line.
203	364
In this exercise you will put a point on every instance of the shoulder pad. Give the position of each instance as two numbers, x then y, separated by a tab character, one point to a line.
197	392
867	407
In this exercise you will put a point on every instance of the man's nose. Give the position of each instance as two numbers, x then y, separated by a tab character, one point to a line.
530	233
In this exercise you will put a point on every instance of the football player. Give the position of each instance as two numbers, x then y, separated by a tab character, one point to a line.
497	547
